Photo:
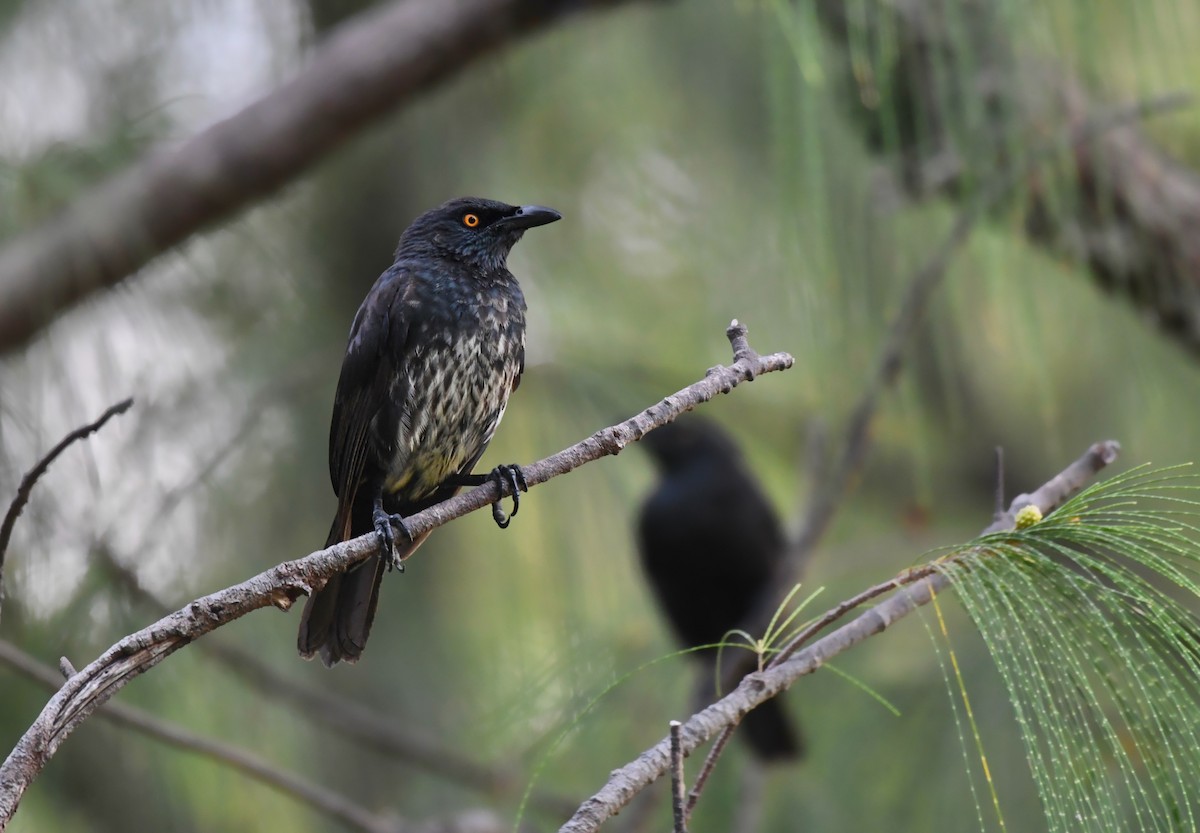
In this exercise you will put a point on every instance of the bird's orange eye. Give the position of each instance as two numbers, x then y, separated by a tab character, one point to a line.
470	220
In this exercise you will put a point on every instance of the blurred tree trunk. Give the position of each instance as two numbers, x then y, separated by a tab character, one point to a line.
957	101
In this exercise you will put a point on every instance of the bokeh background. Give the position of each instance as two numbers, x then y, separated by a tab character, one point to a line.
712	160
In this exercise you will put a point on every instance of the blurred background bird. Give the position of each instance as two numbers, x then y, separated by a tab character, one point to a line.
710	543
434	352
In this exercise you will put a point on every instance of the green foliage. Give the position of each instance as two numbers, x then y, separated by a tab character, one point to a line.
1084	616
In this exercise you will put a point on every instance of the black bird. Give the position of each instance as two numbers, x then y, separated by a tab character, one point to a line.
710	543
434	352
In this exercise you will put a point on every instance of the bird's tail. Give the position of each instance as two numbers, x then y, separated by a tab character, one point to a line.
337	618
771	734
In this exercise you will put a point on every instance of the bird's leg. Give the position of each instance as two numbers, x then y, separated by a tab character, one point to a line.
508	474
387	537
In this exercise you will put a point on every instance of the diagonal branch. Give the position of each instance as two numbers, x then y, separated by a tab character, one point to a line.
626	782
281	585
34	474
380	60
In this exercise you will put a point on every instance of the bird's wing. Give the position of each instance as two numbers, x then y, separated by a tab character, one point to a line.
366	386
516	383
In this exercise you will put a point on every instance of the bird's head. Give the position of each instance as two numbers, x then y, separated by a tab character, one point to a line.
689	440
473	230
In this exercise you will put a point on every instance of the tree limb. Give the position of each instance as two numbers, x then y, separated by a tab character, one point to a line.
958	88
283	584
626	782
34	474
377	61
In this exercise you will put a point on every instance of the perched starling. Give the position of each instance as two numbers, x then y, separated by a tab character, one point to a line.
710	543
434	352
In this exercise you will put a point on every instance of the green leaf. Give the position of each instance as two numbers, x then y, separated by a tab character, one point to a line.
1084	616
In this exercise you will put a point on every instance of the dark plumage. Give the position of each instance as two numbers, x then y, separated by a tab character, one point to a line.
434	352
710	543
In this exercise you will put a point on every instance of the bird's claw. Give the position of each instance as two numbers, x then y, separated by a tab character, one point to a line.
509	475
385	526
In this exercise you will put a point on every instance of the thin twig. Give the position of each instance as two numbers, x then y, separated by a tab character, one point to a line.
754	689
706	770
839	611
677	782
35	473
283	584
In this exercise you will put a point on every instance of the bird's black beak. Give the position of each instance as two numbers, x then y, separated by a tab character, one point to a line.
528	216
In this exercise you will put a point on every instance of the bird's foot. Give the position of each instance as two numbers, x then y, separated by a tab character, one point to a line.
385	526
510	475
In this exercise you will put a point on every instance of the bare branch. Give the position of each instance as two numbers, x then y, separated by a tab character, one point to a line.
382	59
624	783
707	768
34	474
283	584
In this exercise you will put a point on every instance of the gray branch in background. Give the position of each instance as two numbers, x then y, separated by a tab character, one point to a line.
374	63
281	585
626	782
960	97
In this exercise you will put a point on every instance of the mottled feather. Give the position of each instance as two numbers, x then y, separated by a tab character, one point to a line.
434	352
